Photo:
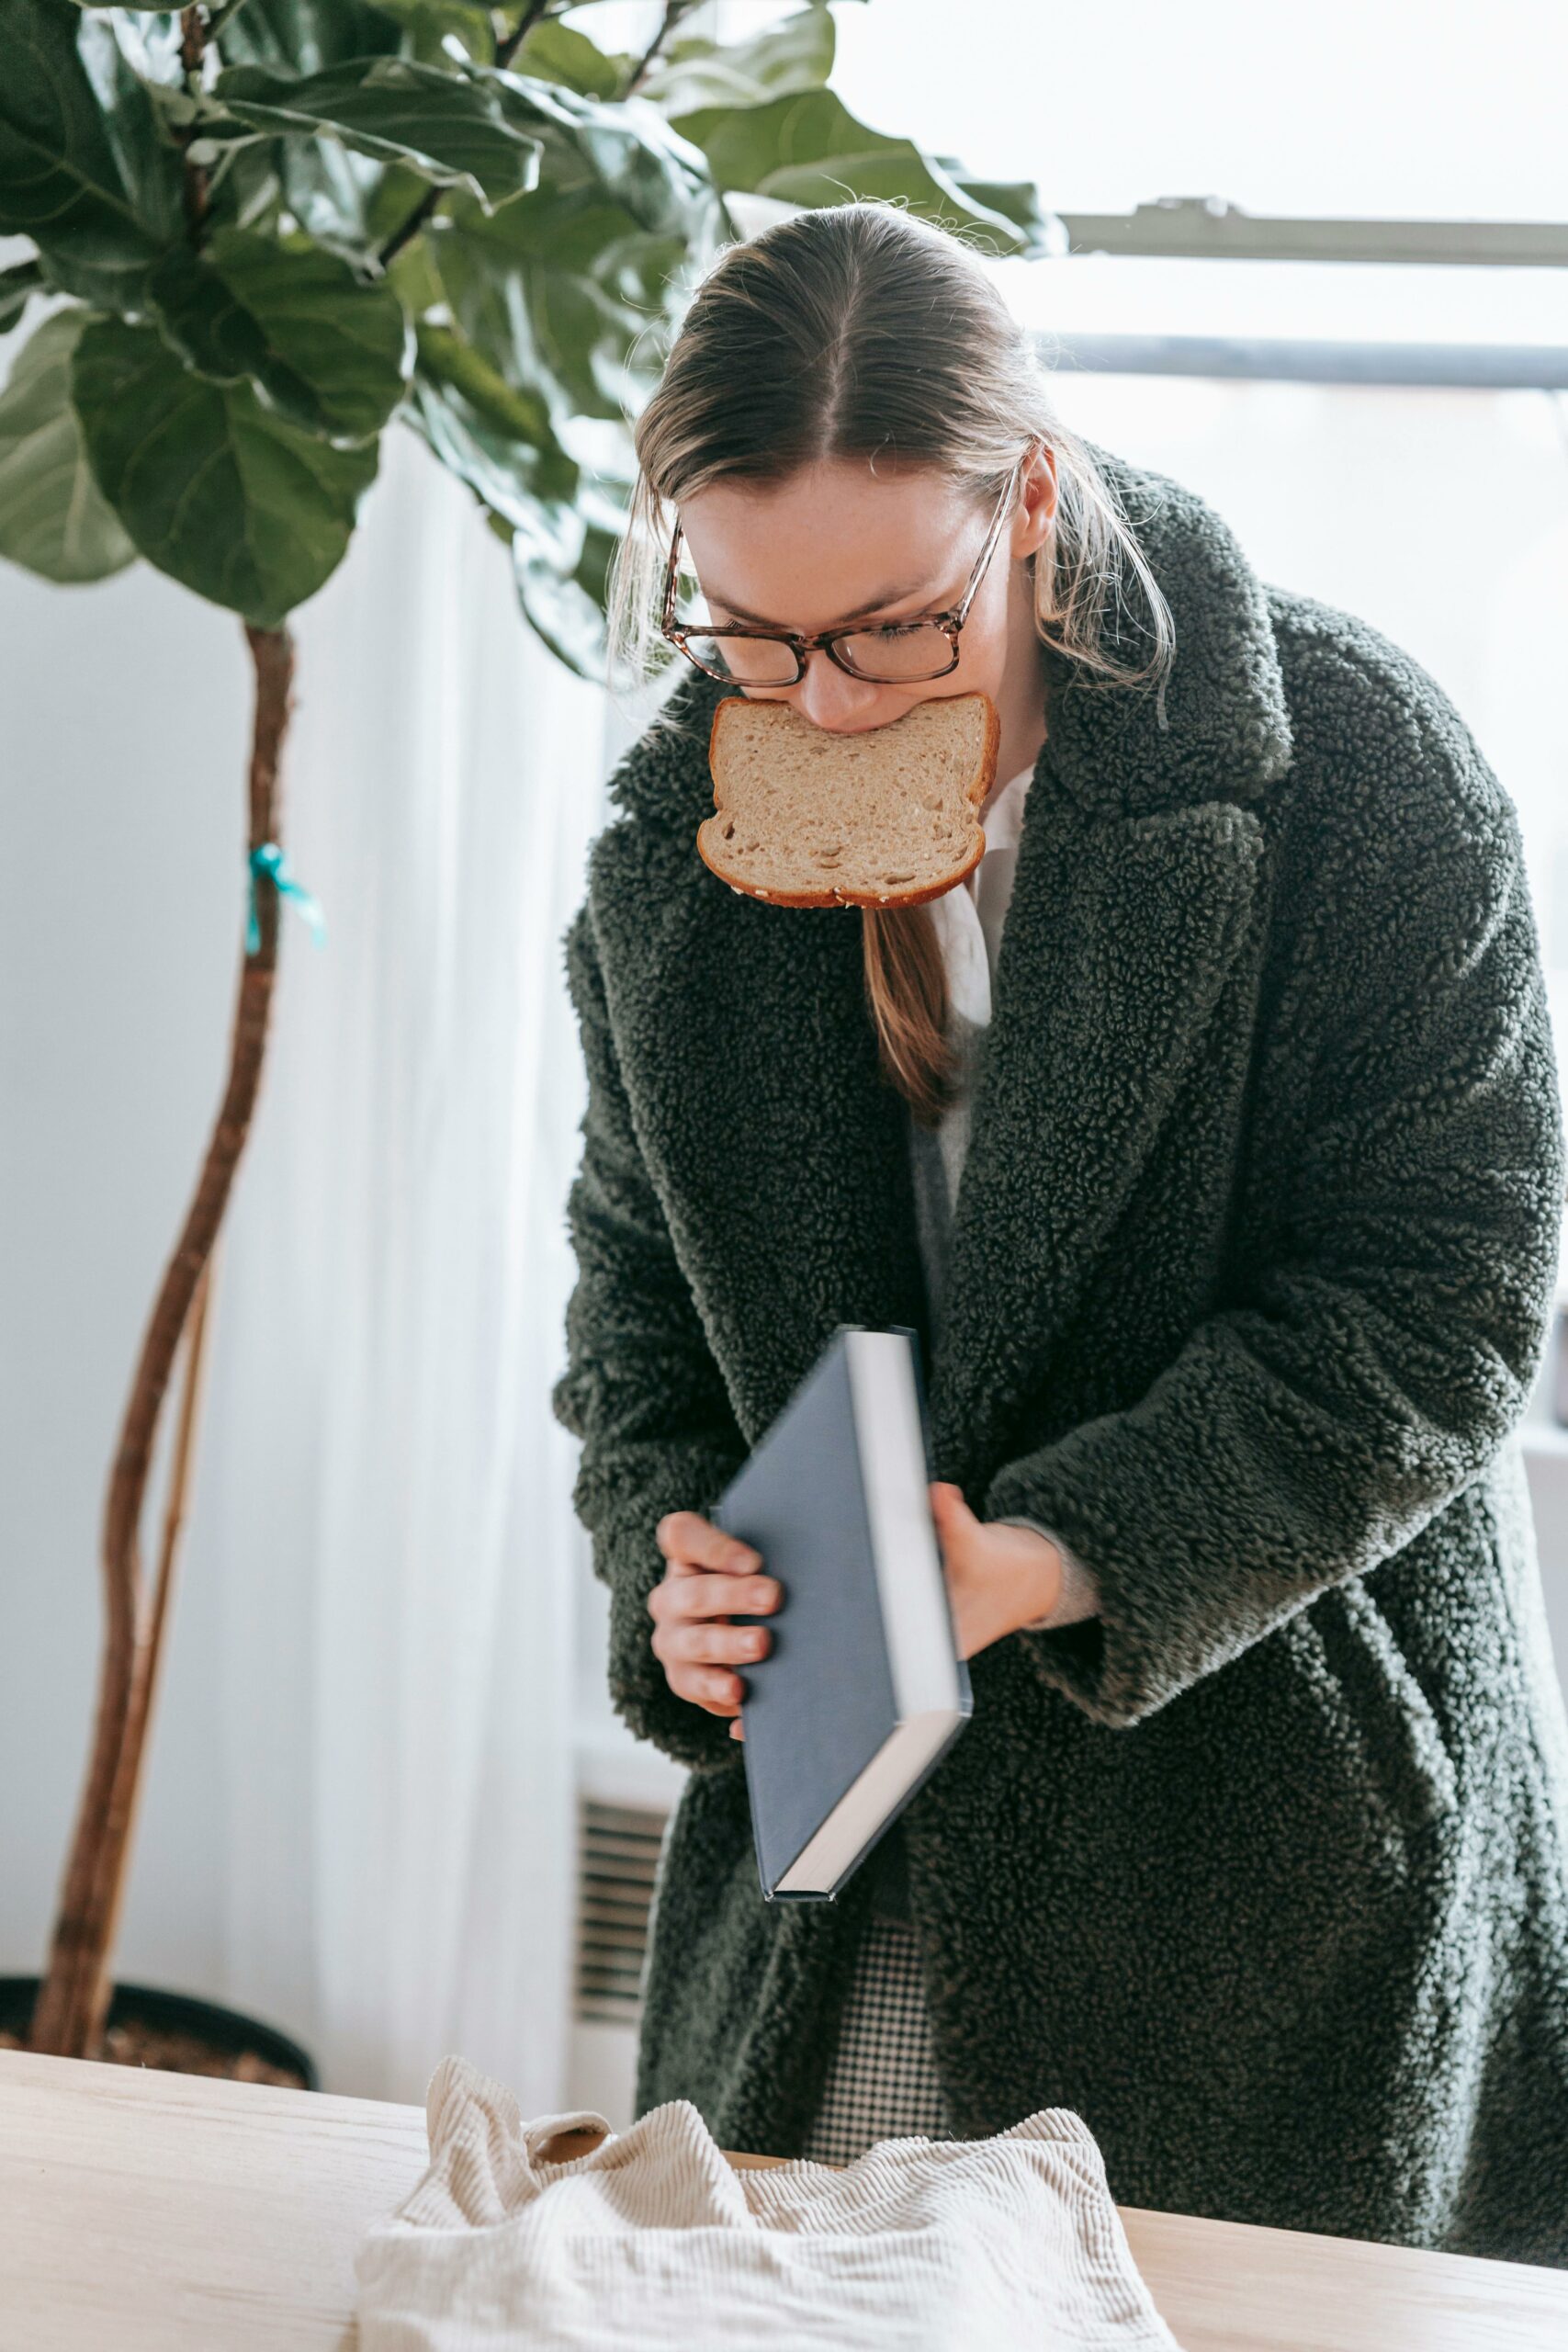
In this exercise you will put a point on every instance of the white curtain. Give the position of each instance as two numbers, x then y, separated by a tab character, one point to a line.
383	1491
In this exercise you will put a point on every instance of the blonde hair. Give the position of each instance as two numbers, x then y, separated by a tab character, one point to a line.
860	331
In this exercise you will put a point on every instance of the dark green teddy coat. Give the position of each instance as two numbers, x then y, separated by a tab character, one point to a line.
1264	1870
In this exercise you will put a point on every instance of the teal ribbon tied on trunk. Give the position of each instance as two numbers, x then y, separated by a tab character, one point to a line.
269	859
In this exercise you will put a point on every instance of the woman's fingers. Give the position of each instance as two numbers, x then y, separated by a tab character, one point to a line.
709	1579
709	1643
680	1596
693	1653
721	1694
689	1542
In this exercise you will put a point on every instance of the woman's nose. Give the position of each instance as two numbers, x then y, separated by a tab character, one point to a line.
828	697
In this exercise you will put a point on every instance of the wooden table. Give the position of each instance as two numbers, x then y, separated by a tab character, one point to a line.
156	2213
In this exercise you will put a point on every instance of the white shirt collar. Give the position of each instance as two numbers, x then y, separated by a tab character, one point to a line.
968	920
1003	820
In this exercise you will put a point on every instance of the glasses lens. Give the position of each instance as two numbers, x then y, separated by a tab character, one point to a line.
749	660
896	652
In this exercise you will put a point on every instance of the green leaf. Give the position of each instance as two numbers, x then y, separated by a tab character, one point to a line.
307	36
809	150
553	52
562	527
245	191
626	150
495	439
571	292
446	358
1019	201
213	488
329	191
565	296
455	129
794	55
564	602
53	517
18	285
412	276
329	353
84	170
345	201
151	164
429	22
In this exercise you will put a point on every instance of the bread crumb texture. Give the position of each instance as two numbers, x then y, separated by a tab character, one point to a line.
887	815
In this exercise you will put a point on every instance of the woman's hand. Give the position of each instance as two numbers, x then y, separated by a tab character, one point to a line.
709	1574
999	1577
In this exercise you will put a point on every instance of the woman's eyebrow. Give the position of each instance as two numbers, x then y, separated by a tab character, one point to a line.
872	604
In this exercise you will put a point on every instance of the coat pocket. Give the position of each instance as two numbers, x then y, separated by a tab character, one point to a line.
1378	1723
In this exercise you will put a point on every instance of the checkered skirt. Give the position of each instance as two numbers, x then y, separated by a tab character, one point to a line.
882	2081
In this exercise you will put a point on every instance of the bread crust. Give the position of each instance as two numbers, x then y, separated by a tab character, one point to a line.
832	896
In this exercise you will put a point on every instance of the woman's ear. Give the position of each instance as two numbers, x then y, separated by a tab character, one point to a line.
1037	493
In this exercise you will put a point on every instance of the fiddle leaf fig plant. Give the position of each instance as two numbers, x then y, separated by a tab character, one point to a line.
262	234
238	185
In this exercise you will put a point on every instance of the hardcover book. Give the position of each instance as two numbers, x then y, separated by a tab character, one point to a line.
862	1691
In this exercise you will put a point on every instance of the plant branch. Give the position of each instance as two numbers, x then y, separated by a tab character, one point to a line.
74	1997
197	187
193	38
507	48
412	226
674	12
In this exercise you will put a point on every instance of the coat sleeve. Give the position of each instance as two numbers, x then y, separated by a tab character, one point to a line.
1389	1343
640	1388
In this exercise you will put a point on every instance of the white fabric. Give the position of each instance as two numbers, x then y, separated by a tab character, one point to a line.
968	921
969	918
384	1502
654	2240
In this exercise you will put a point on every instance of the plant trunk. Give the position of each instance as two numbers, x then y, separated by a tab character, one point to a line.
74	1997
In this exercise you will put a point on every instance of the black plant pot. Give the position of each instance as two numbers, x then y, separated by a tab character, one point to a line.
225	2030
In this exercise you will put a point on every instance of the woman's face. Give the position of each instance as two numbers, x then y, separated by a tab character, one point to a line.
838	542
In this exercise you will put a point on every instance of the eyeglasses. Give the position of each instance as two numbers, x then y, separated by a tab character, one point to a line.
886	652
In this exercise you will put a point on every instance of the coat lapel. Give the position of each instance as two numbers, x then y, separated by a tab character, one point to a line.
1136	878
780	1153
1120	940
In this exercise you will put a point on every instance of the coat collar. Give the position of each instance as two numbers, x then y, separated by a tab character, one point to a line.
1218	728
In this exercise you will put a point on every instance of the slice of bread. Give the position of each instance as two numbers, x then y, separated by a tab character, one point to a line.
887	818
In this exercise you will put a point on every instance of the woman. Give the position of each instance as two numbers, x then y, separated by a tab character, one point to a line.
1254	1851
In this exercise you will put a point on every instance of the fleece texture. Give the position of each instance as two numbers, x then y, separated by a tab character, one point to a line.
1264	1870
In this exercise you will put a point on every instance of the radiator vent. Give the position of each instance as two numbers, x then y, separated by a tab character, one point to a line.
617	1859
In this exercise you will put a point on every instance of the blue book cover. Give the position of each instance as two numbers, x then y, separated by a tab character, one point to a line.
862	1691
